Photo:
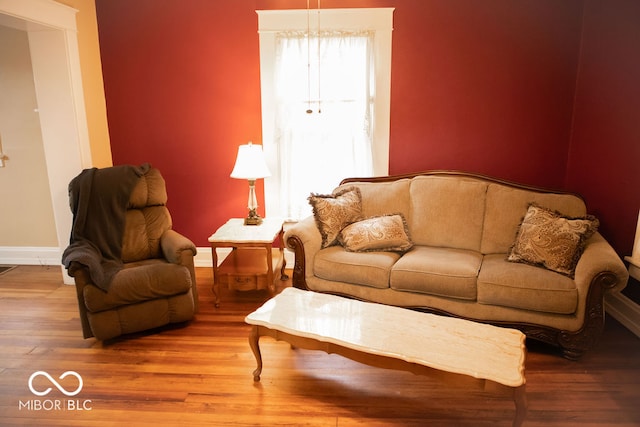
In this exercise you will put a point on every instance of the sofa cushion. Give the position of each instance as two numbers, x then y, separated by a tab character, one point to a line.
361	268
335	211
138	282
525	287
379	233
550	240
438	271
447	212
380	198
506	206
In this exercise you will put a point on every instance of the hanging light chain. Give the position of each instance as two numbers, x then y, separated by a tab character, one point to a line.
309	110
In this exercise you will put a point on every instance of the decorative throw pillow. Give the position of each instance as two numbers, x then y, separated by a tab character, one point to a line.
380	233
550	240
334	212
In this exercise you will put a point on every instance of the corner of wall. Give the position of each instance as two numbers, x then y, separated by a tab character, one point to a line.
567	170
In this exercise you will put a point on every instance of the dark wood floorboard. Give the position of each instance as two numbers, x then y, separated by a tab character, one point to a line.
200	374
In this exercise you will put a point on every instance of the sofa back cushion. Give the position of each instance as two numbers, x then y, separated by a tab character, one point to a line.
147	218
383	198
463	212
447	211
507	206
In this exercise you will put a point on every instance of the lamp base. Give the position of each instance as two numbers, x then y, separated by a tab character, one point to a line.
253	218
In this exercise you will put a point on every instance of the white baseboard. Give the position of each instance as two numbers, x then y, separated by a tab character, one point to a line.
34	255
624	310
30	255
26	255
203	257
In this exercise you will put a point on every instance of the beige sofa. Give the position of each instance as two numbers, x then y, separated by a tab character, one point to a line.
463	227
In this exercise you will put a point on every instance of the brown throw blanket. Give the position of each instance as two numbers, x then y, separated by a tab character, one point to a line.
98	199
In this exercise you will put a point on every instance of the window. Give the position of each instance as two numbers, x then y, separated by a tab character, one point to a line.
325	101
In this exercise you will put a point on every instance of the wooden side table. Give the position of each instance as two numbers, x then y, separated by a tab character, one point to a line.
253	261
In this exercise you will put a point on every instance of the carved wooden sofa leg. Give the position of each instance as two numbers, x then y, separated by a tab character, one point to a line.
575	344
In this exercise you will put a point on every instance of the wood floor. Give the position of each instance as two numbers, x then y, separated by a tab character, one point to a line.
200	374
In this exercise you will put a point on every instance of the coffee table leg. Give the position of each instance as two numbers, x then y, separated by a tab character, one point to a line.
520	399
254	342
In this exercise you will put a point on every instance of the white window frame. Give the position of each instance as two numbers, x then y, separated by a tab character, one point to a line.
271	22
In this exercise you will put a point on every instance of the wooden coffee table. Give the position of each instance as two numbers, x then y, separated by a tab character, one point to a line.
394	338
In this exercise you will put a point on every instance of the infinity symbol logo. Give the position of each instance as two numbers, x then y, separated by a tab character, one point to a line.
55	383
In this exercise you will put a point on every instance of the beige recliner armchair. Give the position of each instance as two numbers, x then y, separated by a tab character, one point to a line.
132	271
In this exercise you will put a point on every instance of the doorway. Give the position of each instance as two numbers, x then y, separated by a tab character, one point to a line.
51	29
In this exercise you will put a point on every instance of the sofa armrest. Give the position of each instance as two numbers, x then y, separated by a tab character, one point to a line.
304	239
599	271
600	263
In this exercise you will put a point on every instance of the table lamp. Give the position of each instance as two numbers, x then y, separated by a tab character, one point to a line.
250	165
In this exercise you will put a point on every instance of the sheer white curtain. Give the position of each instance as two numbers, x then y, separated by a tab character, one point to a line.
330	73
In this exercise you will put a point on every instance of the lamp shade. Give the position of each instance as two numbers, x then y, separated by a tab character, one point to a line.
250	163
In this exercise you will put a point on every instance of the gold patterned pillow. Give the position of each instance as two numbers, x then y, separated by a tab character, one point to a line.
380	233
548	239
334	212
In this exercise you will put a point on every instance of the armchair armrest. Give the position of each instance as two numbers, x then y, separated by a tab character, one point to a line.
81	277
176	248
305	240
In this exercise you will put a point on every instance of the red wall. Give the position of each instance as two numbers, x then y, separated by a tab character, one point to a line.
604	158
484	86
182	85
480	86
